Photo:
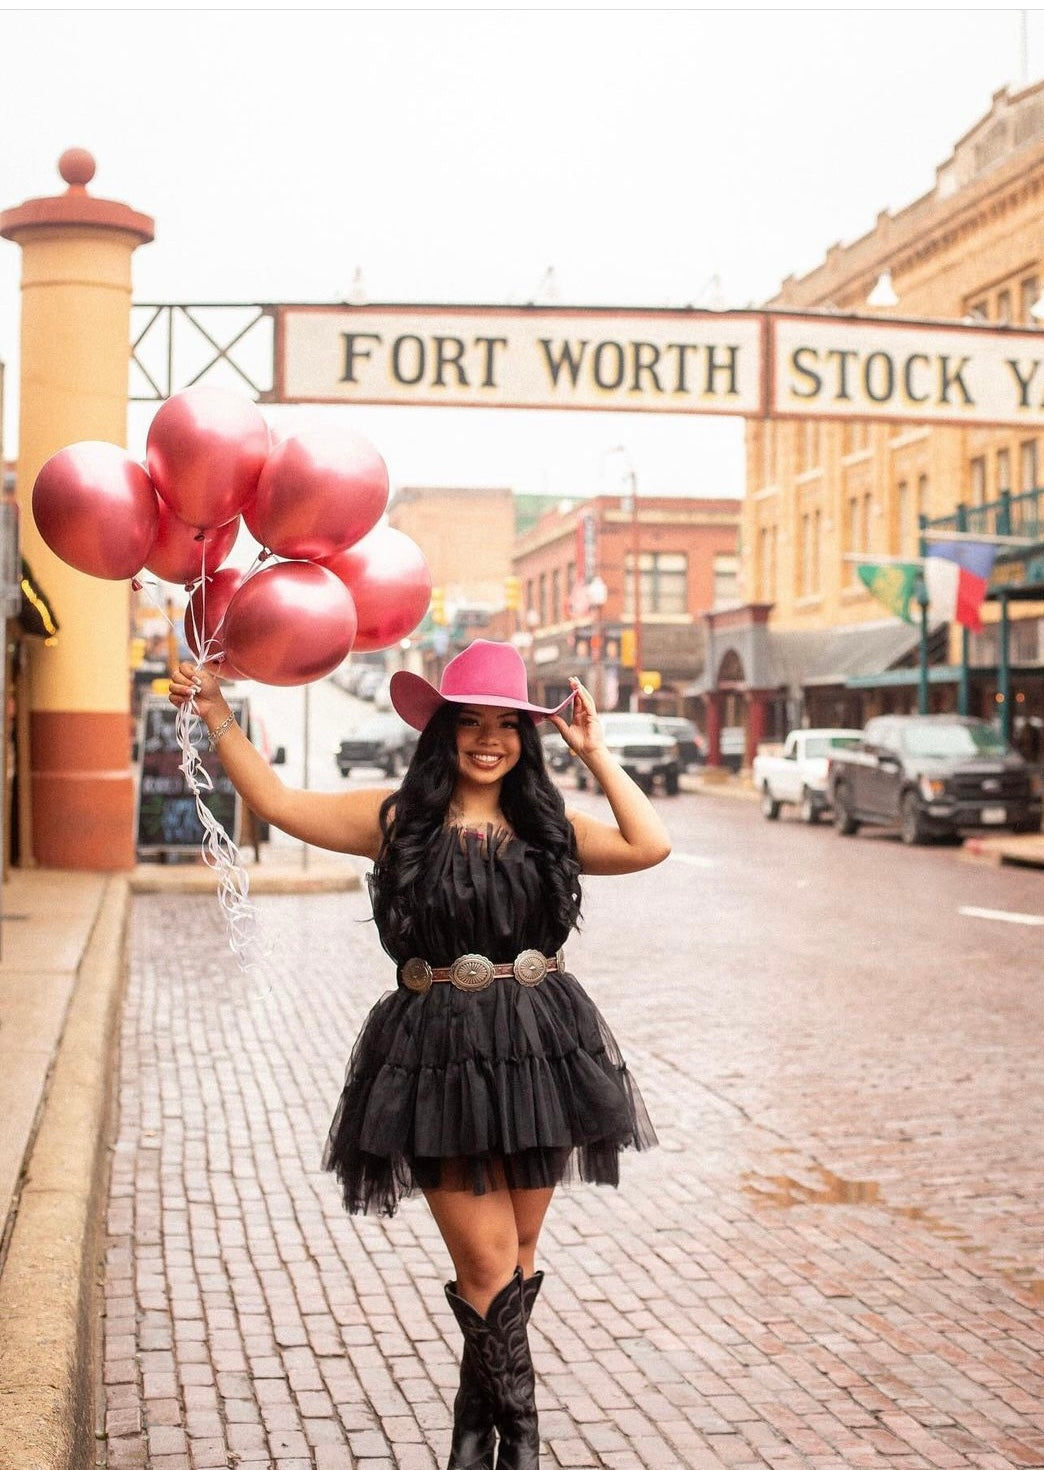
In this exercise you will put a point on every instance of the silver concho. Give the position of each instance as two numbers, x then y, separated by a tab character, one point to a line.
416	975
471	972
530	967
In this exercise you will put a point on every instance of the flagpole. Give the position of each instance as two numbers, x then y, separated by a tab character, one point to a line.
922	600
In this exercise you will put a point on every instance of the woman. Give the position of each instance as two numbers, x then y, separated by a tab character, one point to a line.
487	1076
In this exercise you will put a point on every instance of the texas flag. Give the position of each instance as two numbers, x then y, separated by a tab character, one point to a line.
956	575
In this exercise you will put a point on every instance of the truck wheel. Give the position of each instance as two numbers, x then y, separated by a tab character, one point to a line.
345	771
670	781
809	808
844	822
581	781
911	828
769	804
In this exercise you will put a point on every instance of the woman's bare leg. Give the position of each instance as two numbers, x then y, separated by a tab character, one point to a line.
488	1236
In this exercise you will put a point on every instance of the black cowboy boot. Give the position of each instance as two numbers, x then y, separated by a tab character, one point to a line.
473	1435
504	1369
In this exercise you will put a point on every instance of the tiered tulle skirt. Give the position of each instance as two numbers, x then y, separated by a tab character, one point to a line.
523	1086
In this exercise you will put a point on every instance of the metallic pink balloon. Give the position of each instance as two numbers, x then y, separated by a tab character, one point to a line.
390	583
178	555
97	509
289	624
205	450
205	617
320	490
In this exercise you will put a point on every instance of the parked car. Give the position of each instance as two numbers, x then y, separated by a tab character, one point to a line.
691	747
381	740
557	755
642	747
796	774
933	776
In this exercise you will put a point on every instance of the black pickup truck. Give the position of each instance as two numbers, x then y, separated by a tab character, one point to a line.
933	776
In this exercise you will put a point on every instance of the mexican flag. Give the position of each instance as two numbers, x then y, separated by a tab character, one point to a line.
892	583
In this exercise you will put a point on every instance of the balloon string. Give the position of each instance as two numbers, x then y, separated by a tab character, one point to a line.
218	850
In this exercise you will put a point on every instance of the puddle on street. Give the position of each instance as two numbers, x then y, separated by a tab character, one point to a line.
828	1189
820	1186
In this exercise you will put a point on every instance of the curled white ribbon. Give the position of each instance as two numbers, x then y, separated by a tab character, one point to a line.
218	850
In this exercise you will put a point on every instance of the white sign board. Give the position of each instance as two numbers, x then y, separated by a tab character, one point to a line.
838	368
504	357
756	364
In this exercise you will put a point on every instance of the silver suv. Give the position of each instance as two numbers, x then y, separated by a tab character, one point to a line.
644	749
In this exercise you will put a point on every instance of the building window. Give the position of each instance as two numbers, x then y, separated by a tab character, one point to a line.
1028	465
531	601
664	582
767	546
556	595
1029	293
542	599
726	580
1004	306
1003	471
978	480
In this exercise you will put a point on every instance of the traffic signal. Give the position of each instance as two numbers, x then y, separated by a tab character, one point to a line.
628	651
512	593
438	606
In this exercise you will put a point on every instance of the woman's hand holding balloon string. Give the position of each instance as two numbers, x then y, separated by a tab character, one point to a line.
197	685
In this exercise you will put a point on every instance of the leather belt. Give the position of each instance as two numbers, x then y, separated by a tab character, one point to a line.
476	972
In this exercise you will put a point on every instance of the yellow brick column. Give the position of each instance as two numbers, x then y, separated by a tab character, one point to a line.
76	299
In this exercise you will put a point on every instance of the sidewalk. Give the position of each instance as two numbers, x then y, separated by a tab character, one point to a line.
62	971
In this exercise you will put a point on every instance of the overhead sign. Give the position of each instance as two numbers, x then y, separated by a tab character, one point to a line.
772	364
517	357
839	368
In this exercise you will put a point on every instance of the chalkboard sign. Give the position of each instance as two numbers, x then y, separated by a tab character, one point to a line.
167	817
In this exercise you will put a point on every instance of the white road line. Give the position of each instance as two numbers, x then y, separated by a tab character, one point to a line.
694	859
1005	916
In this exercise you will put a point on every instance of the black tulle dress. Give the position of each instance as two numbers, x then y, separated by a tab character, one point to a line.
468	1089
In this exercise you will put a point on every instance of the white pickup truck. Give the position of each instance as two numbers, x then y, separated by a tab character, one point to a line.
796	774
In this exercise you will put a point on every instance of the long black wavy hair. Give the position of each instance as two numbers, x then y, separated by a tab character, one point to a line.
412	817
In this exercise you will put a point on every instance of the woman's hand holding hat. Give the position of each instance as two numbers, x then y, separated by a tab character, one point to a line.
584	736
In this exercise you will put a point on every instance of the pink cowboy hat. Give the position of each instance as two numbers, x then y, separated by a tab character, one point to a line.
485	673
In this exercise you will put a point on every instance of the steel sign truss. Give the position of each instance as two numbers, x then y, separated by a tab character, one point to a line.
177	345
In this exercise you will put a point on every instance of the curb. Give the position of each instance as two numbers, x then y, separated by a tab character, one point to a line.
49	1320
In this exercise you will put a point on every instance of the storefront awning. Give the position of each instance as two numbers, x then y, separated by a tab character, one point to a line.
840	655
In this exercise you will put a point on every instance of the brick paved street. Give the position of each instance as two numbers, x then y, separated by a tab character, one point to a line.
832	1261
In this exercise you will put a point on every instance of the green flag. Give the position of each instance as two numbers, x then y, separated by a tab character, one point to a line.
892	583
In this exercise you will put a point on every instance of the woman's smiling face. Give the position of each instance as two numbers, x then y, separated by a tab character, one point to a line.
488	742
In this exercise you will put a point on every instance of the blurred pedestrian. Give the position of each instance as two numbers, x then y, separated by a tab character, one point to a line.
488	1076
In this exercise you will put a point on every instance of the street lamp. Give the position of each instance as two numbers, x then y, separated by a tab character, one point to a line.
597	593
630	503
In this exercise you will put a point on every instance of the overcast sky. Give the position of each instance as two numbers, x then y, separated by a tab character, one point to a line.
651	157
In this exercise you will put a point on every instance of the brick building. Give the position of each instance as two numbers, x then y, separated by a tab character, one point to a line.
577	614
810	643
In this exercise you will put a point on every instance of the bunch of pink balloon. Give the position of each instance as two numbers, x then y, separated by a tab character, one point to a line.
313	499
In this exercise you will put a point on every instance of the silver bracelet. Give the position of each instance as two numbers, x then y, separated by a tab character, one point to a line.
222	729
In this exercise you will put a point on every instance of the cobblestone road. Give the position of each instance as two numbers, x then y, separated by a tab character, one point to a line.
750	1297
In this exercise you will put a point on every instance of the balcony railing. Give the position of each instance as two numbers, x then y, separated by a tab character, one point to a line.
1009	515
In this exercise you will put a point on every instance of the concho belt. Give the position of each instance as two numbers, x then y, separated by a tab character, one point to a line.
476	972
